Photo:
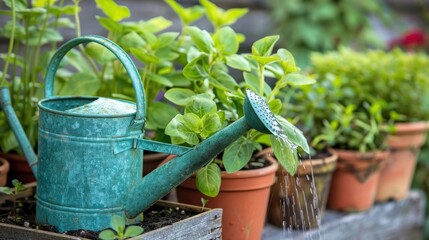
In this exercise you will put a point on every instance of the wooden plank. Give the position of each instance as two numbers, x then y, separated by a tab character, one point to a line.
12	232
392	220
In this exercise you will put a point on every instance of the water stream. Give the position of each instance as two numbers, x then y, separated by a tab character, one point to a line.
299	200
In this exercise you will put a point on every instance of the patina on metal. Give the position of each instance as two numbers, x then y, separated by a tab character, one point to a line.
89	166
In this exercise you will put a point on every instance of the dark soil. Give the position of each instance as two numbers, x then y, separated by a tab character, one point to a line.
24	215
254	163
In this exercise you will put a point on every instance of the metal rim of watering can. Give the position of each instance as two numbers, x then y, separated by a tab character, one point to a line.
118	52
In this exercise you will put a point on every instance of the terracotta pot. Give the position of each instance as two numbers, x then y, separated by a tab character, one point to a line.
291	194
395	178
4	169
355	180
19	168
243	197
151	161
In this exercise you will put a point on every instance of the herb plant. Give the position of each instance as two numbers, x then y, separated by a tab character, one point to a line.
120	231
214	98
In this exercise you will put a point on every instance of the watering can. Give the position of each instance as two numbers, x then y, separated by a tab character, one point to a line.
89	166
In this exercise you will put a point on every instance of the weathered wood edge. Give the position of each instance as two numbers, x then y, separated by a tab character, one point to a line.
204	226
391	220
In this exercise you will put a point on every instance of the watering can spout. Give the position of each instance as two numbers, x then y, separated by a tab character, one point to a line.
6	106
158	183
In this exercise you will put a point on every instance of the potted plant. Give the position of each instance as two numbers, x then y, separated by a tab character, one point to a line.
215	98
31	29
398	80
340	114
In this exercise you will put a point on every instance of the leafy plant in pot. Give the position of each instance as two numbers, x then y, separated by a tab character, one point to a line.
215	98
31	30
398	80
343	117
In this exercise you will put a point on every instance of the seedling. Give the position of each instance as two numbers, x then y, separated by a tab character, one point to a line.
18	187
120	231
204	202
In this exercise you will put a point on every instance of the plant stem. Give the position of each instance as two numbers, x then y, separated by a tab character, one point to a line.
261	79
10	49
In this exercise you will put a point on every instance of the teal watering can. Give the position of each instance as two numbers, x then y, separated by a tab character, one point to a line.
89	166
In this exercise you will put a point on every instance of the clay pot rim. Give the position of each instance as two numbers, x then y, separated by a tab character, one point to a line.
409	127
5	166
368	156
241	173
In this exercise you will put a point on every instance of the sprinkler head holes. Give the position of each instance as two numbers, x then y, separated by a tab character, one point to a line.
259	115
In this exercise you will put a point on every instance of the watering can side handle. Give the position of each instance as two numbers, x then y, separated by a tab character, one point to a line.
117	51
126	144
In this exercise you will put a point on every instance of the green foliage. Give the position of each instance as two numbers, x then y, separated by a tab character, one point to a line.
120	231
307	26
215	99
18	187
30	30
357	93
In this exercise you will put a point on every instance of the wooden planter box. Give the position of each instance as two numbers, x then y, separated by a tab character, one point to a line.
205	225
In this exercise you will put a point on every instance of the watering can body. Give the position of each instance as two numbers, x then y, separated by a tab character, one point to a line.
89	166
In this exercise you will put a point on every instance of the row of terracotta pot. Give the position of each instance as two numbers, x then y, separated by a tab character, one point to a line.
358	180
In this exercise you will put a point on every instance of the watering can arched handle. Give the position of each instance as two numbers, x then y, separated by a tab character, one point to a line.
118	52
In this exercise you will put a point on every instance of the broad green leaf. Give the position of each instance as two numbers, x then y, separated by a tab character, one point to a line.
297	79
99	53
225	39
112	10
161	114
211	124
294	134
275	106
144	56
285	154
237	155
6	190
65	22
201	105
64	10
153	25
109	24
159	79
222	79
197	69
132	231
213	12
201	38
179	96
238	62
287	61
208	180
185	127
131	40
75	58
264	46
232	15
186	15
43	3
19	4
252	82
107	235
118	223
264	60
81	84
166	39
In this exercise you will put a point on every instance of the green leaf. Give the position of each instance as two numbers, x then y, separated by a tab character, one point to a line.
159	79
297	79
19	4
197	68
238	62
81	84
118	224
107	235
186	15
208	180
237	155
6	190
110	25
202	39
99	53
112	10
179	96
225	39
262	60
294	134
43	3
264	46
75	58
211	124
185	127
166	39
287	61
232	15
201	105
285	154
144	56
221	79
162	114
131	40
132	231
